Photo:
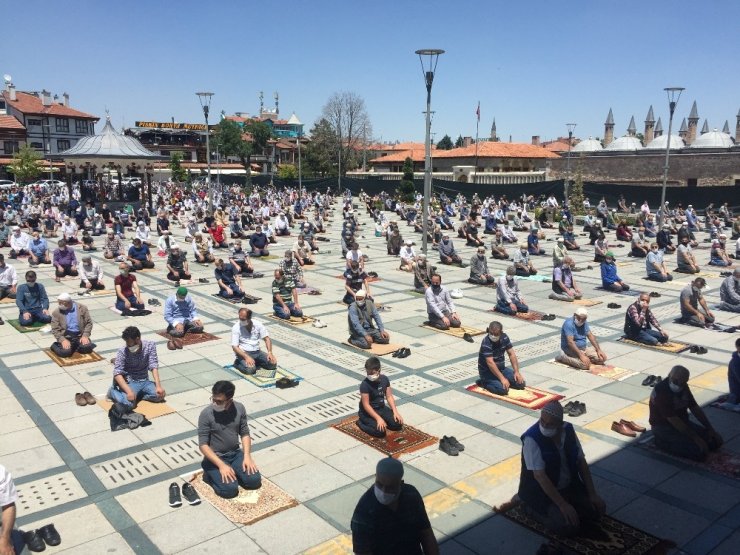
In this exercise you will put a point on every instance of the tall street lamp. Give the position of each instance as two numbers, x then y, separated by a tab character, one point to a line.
674	93
571	127
431	55
205	102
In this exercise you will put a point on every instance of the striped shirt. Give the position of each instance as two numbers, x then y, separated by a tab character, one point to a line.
136	366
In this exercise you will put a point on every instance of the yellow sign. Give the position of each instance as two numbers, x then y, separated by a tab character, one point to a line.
170	125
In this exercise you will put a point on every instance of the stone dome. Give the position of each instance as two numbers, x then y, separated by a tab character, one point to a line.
625	143
589	145
660	143
712	139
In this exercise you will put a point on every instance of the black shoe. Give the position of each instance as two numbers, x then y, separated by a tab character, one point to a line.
154	302
175	499
50	535
452	440
446	447
202	280
614	305
34	541
654	294
469	338
2	322
656	380
649	380
701	350
568	406
397	353
285	383
189	493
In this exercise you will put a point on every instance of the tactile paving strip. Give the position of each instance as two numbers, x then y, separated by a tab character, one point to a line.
539	348
48	492
456	372
131	468
601	331
179	454
413	385
335	407
287	421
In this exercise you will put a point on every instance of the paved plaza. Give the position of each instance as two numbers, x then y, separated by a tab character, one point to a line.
106	492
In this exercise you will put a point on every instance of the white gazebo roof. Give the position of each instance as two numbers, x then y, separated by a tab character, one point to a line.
293	120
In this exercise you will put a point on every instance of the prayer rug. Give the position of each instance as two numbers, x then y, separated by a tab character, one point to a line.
98	293
668	346
265	378
268	257
73	360
586	302
536	277
308	290
608	536
145	270
249	506
294	320
706	275
604	370
721	403
394	444
415	292
629	293
529	397
369	279
531	315
150	410
7	300
377	349
36	326
716	326
233	300
717	462
455	332
190	338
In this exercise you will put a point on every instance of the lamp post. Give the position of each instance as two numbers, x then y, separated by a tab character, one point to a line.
674	93
205	102
432	57
571	127
300	177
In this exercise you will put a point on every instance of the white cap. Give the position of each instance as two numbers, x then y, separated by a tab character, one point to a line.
581	312
16	228
360	294
65	297
141	222
408	242
561	239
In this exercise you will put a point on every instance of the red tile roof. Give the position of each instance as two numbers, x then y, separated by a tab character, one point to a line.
417	155
490	149
10	122
556	146
32	105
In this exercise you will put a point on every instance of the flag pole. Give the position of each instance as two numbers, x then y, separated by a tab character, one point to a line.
477	124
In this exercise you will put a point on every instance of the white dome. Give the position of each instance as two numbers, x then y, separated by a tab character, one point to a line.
712	139
660	143
625	143
589	145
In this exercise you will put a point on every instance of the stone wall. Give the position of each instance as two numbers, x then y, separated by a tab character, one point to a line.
707	168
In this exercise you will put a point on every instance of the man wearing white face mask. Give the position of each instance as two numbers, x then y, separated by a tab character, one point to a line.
390	517
245	342
494	375
729	292
555	483
674	432
131	368
361	315
374	416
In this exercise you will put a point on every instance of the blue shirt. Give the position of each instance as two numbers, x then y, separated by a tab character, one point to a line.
140	253
609	274
579	333
38	248
31	298
177	311
73	324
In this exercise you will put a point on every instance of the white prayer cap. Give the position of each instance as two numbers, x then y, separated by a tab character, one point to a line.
64	297
360	294
581	312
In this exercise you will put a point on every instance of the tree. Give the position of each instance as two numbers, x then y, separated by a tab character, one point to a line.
406	190
320	154
178	172
445	143
575	200
287	171
242	142
345	111
459	141
25	165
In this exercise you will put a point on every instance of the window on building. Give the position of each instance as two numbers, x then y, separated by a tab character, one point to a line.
37	146
2	104
34	122
62	144
10	147
81	126
62	124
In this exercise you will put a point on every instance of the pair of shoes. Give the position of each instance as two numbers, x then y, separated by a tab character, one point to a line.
575	408
202	280
456	294
652	381
318	324
248	300
84	399
633	426
698	349
174	343
448	448
372	274
623	429
37	540
286	383
469	338
614	305
314	292
188	491
403	352
154	302
257	274
548	317
654	294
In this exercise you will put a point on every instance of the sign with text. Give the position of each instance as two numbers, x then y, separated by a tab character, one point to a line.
170	125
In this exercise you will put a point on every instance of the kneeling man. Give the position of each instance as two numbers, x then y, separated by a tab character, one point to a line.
494	375
181	315
574	338
362	315
71	325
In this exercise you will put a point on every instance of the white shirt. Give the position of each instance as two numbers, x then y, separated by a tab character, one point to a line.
142	233
8	277
20	242
90	272
533	459
407	253
162	246
69	229
8	494
249	343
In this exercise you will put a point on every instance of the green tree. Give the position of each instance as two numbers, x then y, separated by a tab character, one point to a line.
406	189
459	141
242	142
575	198
446	143
320	154
25	165
178	172
287	171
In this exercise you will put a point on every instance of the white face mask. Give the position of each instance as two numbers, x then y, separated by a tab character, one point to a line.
134	349
244	323
494	337
383	497
674	387
218	408
548	432
374	377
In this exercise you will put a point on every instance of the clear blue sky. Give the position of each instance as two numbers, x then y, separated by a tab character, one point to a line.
532	65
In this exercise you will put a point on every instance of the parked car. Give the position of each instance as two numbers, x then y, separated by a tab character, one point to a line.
7	184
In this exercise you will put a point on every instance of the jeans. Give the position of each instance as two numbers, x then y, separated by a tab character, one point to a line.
693	320
37	315
361	342
659	277
724	305
144	390
94	284
120	305
504	307
649	337
6	292
188	327
260	361
235	459
491	383
284	314
670	440
436	322
74	346
615	287
367	423
481	280
236	293
65	271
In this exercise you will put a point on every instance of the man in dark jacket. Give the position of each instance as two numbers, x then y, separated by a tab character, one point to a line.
641	325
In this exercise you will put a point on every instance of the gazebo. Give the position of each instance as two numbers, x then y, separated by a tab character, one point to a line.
112	151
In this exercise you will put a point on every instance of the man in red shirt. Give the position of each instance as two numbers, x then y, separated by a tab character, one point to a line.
217	234
127	290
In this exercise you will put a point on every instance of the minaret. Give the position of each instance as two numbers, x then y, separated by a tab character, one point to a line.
649	126
737	128
609	128
262	103
277	103
693	122
726	128
684	131
494	138
632	128
705	127
658	128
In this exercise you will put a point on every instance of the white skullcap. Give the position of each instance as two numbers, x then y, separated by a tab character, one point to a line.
361	294
581	312
65	297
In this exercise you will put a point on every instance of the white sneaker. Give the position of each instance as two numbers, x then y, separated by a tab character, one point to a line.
456	294
46	329
318	324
